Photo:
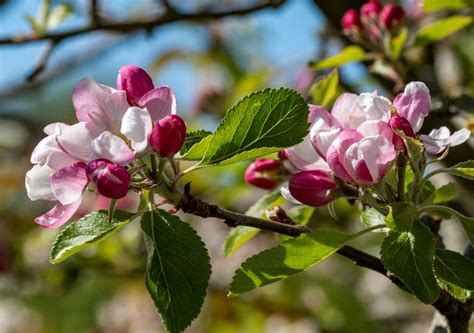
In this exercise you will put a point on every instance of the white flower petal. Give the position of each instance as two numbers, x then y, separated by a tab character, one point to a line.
38	183
112	148
136	125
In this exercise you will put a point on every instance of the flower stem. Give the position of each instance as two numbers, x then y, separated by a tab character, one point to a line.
401	169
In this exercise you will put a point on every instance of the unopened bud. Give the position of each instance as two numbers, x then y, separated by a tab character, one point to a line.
111	180
350	21
392	16
135	81
167	136
312	187
278	214
402	124
263	173
371	9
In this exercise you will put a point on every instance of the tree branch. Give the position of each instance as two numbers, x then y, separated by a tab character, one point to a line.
126	27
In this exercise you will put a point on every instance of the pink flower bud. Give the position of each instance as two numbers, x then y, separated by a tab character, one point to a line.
371	9
311	187
391	16
112	180
402	124
135	81
263	173
167	136
351	20
282	154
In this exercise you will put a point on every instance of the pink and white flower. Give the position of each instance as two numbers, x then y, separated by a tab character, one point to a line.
440	139
109	129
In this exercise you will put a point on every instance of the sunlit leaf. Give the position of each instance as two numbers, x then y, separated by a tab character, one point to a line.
323	92
178	268
410	256
435	5
456	272
441	29
348	54
85	232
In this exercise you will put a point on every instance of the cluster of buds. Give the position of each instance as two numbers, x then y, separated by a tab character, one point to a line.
117	130
373	23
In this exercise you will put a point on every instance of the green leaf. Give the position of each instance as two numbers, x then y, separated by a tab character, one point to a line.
198	150
463	169
261	123
410	256
445	193
441	29
323	92
193	138
58	15
288	258
348	54
435	5
401	216
178	268
240	235
85	232
456	272
396	44
372	217
466	222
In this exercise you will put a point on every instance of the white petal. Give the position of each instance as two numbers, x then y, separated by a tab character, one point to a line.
375	107
38	183
285	193
304	156
48	152
136	125
69	183
112	148
76	141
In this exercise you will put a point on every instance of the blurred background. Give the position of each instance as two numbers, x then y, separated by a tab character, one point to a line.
210	64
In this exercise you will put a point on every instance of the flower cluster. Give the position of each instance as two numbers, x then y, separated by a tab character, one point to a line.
354	145
115	129
373	23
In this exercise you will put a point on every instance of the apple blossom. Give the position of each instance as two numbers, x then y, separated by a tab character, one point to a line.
392	15
370	9
440	139
351	21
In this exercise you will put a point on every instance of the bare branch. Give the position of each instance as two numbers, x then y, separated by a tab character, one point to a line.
127	27
42	62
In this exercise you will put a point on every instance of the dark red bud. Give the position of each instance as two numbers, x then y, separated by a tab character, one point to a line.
351	20
135	81
167	136
371	8
263	173
400	123
311	187
112	180
392	16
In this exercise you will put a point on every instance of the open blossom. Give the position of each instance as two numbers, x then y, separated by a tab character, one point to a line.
110	129
413	104
355	138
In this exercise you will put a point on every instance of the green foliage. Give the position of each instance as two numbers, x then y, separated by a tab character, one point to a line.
396	44
261	123
466	222
371	217
441	29
193	138
48	18
178	268
463	169
456	272
415	152
445	193
240	235
85	232
410	256
435	5
401	216
323	92
348	54
288	258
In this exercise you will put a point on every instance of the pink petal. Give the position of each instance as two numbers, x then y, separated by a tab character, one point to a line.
160	102
55	128
48	152
375	107
317	112
135	81
375	127
336	152
38	183
76	141
347	111
414	104
99	105
110	147
304	156
69	183
58	215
